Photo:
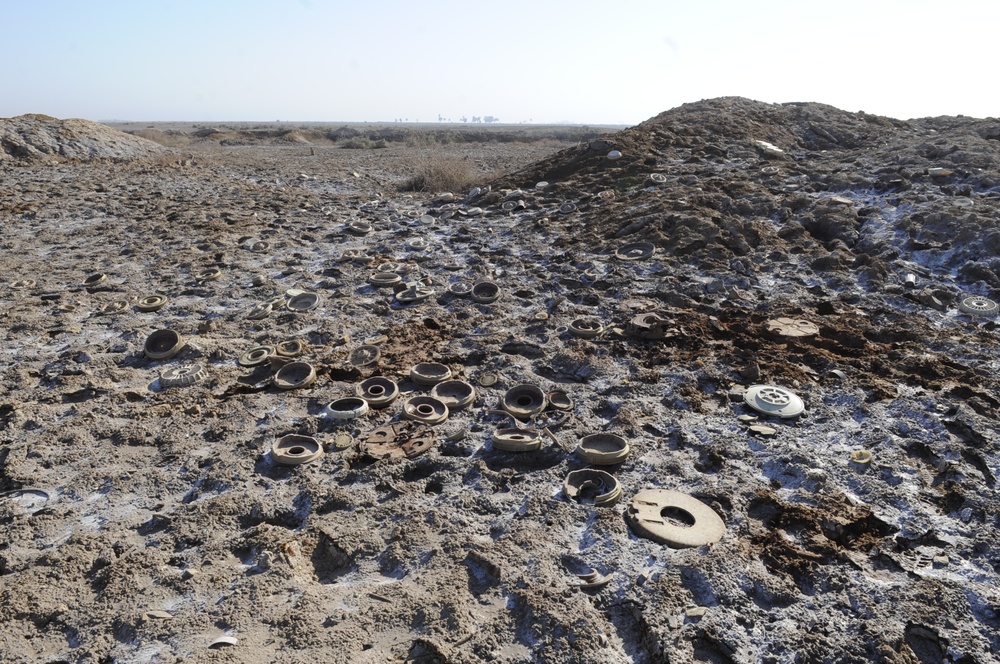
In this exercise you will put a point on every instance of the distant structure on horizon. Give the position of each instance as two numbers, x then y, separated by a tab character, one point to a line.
488	119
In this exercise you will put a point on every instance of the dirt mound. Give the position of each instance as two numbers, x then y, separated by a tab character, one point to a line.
714	180
28	138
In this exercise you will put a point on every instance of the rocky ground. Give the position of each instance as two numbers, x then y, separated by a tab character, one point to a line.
143	522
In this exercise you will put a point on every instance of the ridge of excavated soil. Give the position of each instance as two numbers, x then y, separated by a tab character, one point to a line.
33	138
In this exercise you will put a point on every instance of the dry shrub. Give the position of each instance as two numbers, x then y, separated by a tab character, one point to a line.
363	143
444	173
168	139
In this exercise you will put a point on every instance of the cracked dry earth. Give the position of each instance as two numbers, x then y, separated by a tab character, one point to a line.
142	523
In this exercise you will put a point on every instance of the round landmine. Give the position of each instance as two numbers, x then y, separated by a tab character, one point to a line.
391	266
429	373
485	292
364	356
346	408
295	450
772	400
151	303
95	279
674	519
427	410
978	306
635	251
277	361
260	311
656	179
792	327
488	379
290	348
770	170
260	247
603	449
23	284
302	302
508	206
523	401
418	244
593	580
460	289
649	325
352	255
586	328
384	279
414	293
211	274
568	207
163	344
359	227
606	195
343	440
560	400
378	391
861	457
456	394
517	440
592	487
376	340
111	308
255	356
184	376
295	375
614	155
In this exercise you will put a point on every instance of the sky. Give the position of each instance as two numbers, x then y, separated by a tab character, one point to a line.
615	62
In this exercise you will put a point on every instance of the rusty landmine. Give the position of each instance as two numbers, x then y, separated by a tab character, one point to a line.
399	440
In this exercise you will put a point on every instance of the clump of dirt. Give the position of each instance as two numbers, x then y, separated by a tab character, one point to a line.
32	138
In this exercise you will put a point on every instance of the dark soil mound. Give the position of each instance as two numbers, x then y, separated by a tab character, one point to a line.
715	180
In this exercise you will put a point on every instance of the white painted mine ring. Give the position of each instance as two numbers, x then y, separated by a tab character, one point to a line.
182	376
347	408
978	306
771	400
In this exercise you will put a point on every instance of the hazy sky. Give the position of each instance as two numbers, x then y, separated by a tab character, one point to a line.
582	61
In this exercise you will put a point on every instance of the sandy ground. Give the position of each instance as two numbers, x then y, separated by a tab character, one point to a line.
143	522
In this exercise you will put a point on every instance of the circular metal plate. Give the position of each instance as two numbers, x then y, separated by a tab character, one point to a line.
635	251
673	518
